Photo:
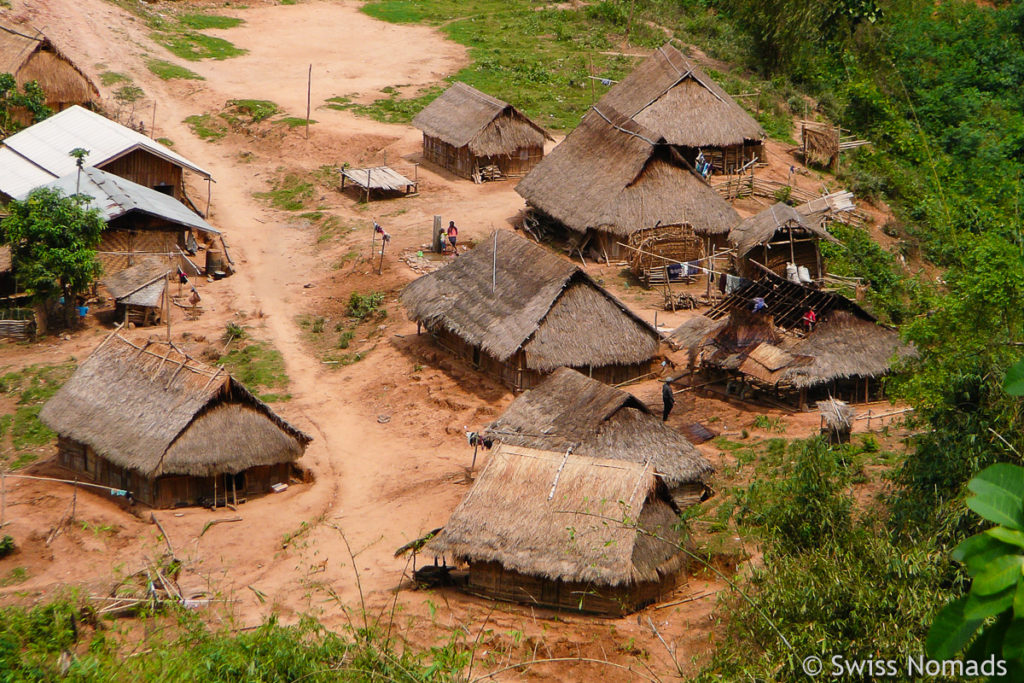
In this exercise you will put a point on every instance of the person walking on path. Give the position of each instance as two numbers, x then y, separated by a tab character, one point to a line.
453	236
668	399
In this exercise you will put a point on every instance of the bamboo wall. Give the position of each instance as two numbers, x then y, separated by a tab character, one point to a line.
149	170
804	253
491	580
461	162
120	249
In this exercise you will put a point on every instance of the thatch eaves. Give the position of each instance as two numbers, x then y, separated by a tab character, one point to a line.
673	97
156	410
762	226
599	421
30	56
126	282
565	518
614	175
463	116
526	297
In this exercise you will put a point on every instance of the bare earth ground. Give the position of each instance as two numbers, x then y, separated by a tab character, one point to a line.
377	485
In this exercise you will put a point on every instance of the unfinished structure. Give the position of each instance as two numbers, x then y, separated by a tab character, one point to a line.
673	98
775	238
566	531
41	154
28	55
151	420
568	410
612	177
477	136
139	292
775	354
141	223
516	311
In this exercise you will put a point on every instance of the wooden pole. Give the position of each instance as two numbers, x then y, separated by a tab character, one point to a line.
209	195
309	97
215	492
368	172
593	90
234	492
476	444
380	266
494	263
74	500
152	126
436	239
3	498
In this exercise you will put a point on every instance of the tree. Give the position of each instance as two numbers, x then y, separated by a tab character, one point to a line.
30	99
53	242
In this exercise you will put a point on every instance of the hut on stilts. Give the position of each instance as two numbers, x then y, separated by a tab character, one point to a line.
556	529
477	136
517	312
612	177
151	420
669	95
139	292
775	238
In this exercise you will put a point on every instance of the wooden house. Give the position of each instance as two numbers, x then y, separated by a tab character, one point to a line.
139	291
28	55
612	177
470	133
41	154
517	311
173	431
572	532
570	410
142	223
669	95
770	352
778	236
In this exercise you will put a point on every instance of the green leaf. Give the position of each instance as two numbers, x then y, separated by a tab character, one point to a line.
1007	535
1013	641
1018	599
950	630
1001	573
979	550
1014	381
1001	476
998	507
985	606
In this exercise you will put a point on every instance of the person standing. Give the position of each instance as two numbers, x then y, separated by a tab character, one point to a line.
668	400
453	236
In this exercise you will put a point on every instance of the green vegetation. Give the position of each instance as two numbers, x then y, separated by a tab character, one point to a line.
362	306
206	127
200	22
260	368
197	46
289	193
166	70
256	110
29	98
113	78
23	438
166	142
293	121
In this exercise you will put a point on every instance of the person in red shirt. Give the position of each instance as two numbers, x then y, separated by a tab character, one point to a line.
809	319
453	236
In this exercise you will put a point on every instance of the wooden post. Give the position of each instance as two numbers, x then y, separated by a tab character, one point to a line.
309	96
234	492
74	500
368	172
152	127
167	305
476	445
215	492
436	240
593	91
380	266
3	498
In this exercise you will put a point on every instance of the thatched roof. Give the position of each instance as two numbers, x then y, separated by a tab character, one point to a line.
762	226
612	174
565	518
463	116
570	409
30	56
156	410
6	264
141	284
538	302
671	96
838	415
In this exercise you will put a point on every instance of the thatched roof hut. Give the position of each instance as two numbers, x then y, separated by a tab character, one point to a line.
671	96
566	531
28	55
612	176
139	291
518	311
168	427
775	237
465	130
570	410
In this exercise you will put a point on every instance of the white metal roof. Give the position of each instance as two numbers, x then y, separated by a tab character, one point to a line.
48	143
18	175
114	196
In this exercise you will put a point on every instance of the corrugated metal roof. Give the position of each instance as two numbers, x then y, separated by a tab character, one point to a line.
114	196
49	142
18	175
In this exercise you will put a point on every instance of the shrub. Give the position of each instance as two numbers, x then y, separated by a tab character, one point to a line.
361	306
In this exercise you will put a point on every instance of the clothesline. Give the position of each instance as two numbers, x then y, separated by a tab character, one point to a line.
689	264
113	491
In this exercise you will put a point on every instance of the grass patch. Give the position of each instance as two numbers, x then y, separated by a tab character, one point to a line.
23	438
113	78
166	142
206	127
205	21
260	368
15	576
197	46
289	193
167	71
362	306
294	121
256	110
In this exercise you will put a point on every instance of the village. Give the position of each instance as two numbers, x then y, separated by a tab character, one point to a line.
473	368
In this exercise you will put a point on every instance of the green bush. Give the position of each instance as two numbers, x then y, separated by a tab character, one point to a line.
361	306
